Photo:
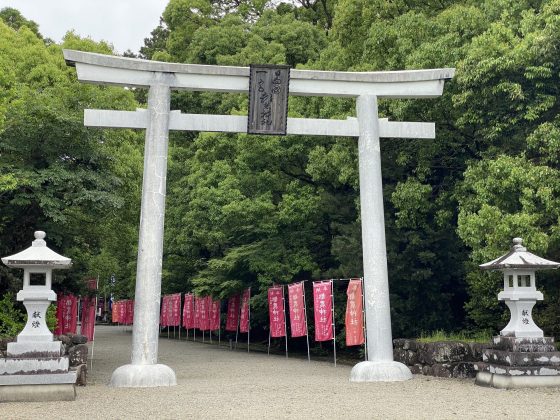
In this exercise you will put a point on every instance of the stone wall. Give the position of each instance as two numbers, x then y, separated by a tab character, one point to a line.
447	359
73	345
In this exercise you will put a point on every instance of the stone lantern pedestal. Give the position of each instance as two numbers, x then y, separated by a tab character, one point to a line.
35	369
520	356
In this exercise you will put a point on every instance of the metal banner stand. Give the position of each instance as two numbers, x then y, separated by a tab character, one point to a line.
269	341
364	320
333	326
306	326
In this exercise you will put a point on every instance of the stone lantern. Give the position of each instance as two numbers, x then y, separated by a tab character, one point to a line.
35	366
520	356
38	262
520	293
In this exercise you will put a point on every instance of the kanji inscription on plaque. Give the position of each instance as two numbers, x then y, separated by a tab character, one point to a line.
268	99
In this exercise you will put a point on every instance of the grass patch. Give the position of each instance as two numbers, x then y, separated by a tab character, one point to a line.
440	335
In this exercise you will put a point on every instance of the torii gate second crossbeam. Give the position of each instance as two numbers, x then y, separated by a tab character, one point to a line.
161	78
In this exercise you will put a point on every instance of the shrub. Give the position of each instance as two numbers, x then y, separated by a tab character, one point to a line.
12	320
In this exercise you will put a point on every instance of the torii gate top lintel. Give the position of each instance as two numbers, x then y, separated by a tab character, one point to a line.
123	71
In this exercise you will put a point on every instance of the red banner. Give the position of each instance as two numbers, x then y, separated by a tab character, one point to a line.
188	311
245	310
175	310
122	311
196	312
115	312
66	314
88	317
354	314
298	322
276	311
129	312
232	313
322	306
215	315
204	313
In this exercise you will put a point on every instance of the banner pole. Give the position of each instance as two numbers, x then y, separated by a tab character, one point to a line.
333	324
306	326
364	327
219	337
285	323
93	335
269	341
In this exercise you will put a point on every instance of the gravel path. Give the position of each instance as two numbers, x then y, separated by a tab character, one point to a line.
218	383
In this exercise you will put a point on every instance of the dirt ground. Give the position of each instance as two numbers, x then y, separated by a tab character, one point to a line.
218	383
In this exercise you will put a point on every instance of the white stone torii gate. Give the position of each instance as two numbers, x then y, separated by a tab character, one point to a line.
160	78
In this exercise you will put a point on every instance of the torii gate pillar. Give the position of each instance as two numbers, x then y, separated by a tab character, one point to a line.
144	371
160	78
380	365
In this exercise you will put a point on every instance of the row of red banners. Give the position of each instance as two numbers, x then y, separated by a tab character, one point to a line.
323	309
204	312
123	312
67	315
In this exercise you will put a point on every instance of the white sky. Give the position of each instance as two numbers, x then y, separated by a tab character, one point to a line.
123	23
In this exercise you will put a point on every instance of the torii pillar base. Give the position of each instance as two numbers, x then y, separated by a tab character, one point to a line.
143	376
389	371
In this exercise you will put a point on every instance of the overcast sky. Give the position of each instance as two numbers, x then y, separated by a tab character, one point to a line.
124	23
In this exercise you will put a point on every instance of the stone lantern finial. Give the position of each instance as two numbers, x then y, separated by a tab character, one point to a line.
517	245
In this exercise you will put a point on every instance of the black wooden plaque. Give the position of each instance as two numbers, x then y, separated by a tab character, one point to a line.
268	99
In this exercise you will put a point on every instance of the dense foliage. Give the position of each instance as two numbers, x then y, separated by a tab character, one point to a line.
254	210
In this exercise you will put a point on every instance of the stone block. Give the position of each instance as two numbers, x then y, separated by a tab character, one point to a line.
416	369
37	393
509	358
444	352
477	350
40	379
519	370
36	350
77	338
442	370
464	370
67	341
81	375
25	366
408	357
78	355
513	382
524	344
405	344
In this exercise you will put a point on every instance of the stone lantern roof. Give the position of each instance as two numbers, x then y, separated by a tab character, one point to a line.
519	258
38	254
